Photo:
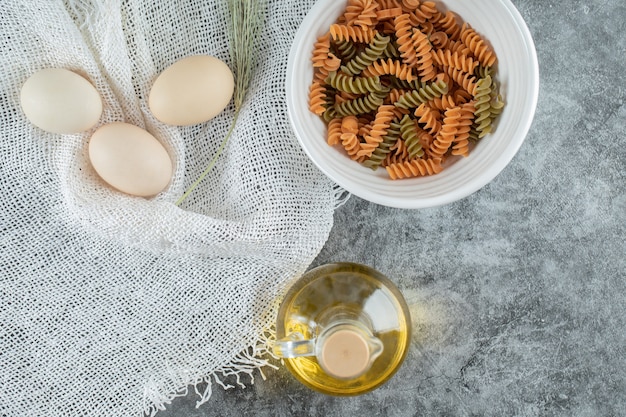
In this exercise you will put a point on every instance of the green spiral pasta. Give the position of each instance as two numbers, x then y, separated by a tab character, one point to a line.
371	53
345	49
353	85
408	132
384	148
483	72
429	91
482	98
361	105
391	51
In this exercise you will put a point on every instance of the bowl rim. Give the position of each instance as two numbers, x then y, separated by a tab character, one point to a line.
477	182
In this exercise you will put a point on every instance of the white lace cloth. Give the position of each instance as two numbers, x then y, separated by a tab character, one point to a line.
111	305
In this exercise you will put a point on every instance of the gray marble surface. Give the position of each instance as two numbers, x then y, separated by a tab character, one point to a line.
518	292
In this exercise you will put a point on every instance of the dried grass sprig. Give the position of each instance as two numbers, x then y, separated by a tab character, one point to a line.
246	21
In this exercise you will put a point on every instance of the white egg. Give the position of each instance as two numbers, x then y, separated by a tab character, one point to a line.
60	101
130	159
192	90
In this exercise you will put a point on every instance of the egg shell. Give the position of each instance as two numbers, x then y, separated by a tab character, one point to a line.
191	91
60	101
130	159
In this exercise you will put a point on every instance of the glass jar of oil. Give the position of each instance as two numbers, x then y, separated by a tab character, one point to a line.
343	329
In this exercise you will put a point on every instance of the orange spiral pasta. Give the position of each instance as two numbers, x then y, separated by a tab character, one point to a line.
404	86
399	153
352	33
321	49
448	24
428	118
423	49
317	98
384	115
423	13
410	5
466	80
404	32
461	140
477	45
350	124
439	40
455	60
414	168
351	144
442	103
390	67
367	17
333	136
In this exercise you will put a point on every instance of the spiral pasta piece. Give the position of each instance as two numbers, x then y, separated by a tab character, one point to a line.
414	98
353	85
380	153
454	60
461	141
448	24
423	49
321	49
384	115
482	97
360	105
390	67
414	168
351	144
410	5
439	40
475	43
408	132
350	124
442	103
428	118
398	154
367	18
345	49
404	32
317	98
371	53
466	80
333	136
340	32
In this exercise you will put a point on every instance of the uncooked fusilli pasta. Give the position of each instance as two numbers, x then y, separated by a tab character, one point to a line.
404	86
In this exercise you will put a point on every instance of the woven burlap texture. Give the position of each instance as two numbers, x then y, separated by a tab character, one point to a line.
112	305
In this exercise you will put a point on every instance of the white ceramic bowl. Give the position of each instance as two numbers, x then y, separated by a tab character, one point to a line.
499	22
